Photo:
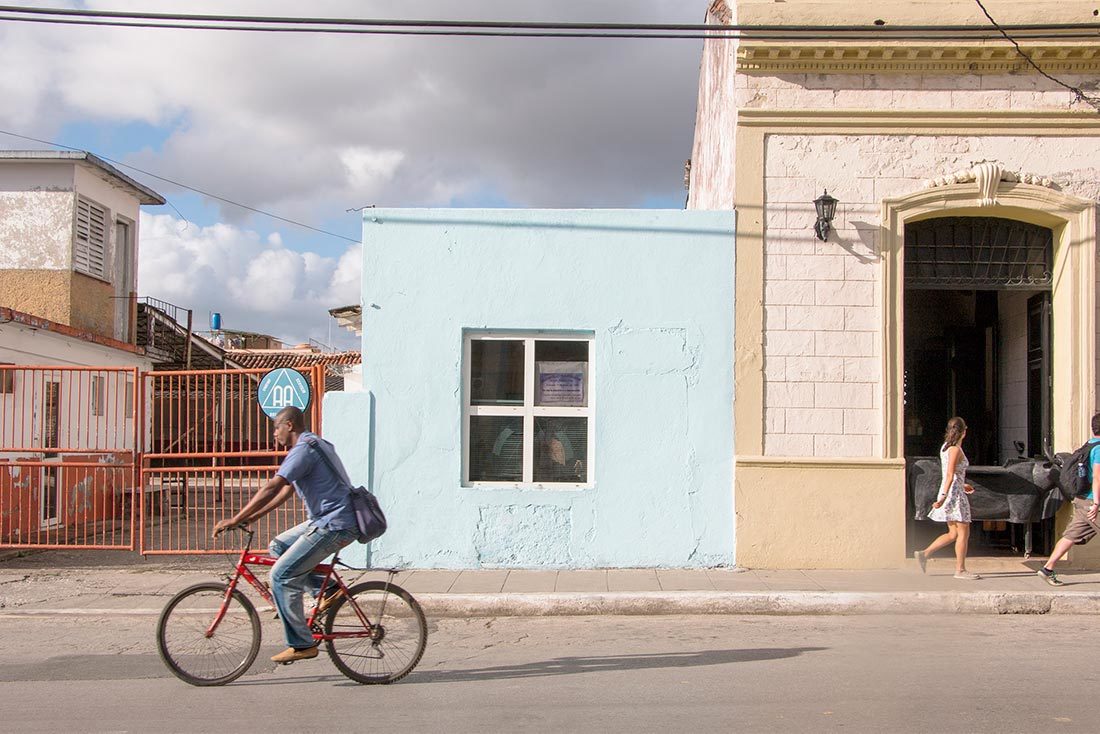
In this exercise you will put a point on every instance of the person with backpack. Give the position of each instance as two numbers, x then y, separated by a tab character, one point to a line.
951	505
332	524
1084	495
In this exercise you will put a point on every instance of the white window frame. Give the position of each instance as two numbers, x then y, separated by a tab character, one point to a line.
46	521
528	410
7	379
99	396
91	230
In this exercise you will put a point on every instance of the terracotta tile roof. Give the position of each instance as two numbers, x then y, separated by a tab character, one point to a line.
272	358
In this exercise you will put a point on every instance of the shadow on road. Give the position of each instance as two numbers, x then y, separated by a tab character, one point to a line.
575	665
134	667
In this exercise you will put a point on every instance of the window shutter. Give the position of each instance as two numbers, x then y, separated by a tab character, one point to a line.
89	252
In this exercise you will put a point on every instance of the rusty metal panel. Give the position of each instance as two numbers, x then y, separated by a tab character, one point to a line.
68	447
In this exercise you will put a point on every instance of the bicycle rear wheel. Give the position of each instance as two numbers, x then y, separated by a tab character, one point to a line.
194	656
398	633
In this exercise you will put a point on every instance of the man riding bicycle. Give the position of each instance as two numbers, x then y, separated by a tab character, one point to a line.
330	527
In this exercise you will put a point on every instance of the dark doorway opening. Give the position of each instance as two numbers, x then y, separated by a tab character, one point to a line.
951	356
977	343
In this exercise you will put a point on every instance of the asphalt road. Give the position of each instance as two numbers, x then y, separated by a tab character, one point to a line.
956	673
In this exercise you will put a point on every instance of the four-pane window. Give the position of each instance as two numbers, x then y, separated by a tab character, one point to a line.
527	417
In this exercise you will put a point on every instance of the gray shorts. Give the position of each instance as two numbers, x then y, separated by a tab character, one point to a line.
1080	530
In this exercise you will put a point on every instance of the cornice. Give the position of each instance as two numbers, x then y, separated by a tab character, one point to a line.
1054	122
838	57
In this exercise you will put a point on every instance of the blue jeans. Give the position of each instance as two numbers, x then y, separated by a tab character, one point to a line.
299	550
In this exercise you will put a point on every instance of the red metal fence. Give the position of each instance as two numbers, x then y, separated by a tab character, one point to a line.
110	458
68	441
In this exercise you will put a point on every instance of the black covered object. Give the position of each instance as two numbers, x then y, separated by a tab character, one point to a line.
1023	491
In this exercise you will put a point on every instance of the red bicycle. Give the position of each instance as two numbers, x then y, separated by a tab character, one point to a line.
209	633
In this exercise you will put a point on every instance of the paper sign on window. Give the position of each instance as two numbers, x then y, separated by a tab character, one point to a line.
561	383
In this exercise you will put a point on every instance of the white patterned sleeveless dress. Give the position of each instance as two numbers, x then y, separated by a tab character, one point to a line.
956	506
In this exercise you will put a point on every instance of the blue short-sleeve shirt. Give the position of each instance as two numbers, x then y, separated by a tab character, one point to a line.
325	495
1094	459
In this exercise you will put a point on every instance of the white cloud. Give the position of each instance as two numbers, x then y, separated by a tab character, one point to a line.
255	283
311	125
368	169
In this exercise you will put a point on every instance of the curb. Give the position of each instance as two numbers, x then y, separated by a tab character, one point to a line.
652	603
761	603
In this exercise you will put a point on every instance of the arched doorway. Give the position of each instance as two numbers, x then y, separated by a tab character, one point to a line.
990	279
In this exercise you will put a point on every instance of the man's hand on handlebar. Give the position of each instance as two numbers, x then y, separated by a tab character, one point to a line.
228	524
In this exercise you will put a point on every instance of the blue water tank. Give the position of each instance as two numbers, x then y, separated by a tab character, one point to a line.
215	321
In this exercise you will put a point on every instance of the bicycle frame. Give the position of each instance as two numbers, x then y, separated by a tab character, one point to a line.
242	570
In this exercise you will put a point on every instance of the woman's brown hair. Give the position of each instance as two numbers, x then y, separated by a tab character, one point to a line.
955	429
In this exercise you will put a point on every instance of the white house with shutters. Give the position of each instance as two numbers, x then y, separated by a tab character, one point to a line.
68	240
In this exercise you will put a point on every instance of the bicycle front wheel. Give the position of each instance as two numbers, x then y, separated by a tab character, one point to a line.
388	645
195	649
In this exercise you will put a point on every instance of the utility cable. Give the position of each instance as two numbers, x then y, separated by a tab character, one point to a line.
283	24
188	187
1079	95
910	35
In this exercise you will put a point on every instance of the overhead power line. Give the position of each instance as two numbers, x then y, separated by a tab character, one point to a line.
182	185
1078	93
530	29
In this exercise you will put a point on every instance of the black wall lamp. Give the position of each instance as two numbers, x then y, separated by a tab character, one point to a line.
826	210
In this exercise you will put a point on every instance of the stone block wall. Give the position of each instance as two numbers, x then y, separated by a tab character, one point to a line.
823	300
916	92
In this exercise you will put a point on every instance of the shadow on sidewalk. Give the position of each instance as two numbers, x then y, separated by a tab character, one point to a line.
575	665
68	559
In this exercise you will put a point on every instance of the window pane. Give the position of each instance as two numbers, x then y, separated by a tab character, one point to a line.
496	448
496	372
98	388
561	450
561	373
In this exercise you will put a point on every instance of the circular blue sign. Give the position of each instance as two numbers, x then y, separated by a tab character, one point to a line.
281	388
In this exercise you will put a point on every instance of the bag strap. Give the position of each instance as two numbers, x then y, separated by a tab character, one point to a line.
338	472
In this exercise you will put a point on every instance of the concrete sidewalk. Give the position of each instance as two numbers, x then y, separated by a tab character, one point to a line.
32	586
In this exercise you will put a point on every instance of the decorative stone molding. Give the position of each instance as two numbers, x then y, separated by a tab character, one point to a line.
840	57
988	175
719	12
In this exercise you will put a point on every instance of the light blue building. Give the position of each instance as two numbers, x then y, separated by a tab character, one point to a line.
545	388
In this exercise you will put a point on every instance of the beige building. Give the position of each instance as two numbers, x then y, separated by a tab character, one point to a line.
959	275
68	240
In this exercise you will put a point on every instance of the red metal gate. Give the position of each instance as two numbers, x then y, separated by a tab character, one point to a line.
68	440
99	457
209	447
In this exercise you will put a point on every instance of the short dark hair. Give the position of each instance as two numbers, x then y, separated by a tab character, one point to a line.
1096	425
292	415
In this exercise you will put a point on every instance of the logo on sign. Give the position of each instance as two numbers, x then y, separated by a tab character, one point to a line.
281	388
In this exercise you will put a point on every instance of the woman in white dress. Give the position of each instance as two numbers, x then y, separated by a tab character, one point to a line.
951	505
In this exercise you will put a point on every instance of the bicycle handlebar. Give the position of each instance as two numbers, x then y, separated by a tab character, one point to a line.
243	527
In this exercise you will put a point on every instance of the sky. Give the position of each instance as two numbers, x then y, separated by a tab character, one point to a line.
314	127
